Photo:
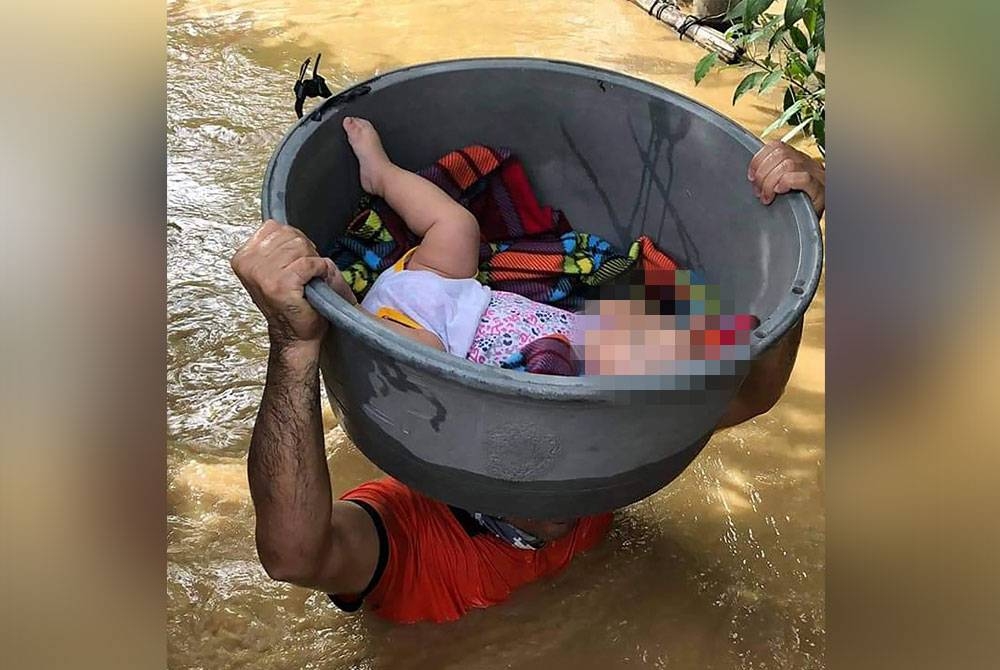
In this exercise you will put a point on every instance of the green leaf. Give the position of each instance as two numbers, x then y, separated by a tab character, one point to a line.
796	68
783	119
799	39
735	12
795	131
793	11
704	65
769	81
818	130
788	101
754	36
750	81
821	77
776	37
772	24
755	8
789	98
809	16
819	34
811	56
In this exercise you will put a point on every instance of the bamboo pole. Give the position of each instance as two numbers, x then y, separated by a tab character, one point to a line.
708	38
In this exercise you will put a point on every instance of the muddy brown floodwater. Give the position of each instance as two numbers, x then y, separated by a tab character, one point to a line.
722	569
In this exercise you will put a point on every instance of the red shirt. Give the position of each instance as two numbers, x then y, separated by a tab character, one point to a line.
434	568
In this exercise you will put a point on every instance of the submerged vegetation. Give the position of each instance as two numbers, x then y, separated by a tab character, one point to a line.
782	49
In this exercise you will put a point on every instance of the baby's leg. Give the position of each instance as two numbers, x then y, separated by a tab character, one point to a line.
450	233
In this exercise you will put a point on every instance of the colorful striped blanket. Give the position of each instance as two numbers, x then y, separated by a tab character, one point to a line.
526	248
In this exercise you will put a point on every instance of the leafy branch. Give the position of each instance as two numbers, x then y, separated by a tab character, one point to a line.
782	50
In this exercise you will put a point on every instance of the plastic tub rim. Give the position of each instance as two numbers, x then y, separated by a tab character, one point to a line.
342	315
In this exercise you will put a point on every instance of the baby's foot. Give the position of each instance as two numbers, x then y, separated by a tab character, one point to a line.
368	148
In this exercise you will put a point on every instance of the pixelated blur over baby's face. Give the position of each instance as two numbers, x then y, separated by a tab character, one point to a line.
630	337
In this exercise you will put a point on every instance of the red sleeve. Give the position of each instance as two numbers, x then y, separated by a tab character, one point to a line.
421	541
432	569
431	565
384	500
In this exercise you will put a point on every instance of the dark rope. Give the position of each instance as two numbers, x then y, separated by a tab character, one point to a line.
690	22
656	9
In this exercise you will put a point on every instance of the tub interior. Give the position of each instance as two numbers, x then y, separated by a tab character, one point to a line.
617	161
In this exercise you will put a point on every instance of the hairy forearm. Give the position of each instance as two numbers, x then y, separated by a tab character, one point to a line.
289	480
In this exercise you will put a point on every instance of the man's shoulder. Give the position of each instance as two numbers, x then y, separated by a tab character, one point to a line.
391	497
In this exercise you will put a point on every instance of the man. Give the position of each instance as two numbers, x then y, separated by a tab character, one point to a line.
409	557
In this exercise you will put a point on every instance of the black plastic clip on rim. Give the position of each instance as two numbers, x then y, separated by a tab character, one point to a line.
314	87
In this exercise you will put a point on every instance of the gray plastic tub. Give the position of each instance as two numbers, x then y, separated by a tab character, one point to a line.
621	157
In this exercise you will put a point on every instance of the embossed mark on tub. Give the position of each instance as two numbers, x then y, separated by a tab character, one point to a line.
520	452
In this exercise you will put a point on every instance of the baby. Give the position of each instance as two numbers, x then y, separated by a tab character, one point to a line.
431	294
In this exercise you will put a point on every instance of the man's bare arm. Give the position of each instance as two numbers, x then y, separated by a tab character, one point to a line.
303	537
